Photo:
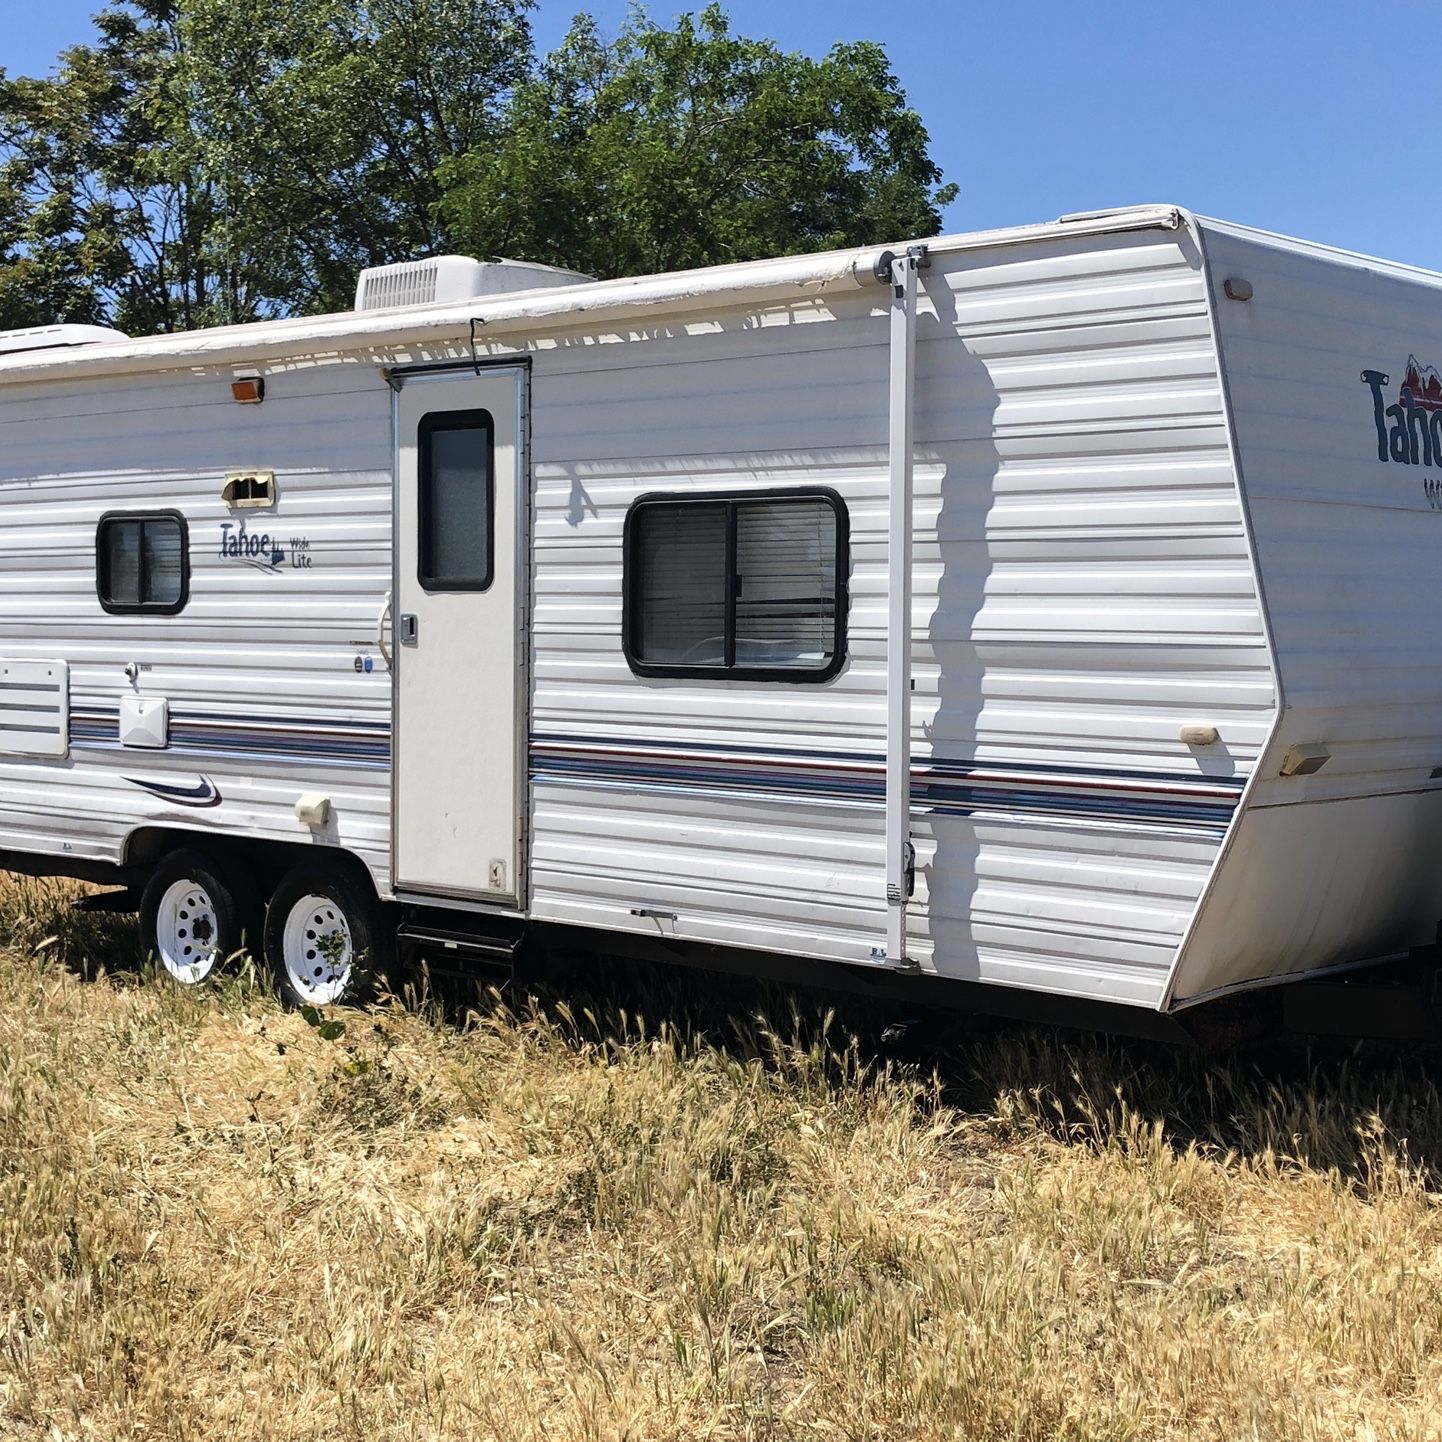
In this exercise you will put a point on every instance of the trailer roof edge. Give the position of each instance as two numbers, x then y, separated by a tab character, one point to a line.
761	281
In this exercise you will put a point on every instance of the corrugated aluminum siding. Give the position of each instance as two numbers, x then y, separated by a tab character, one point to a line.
1082	590
1339	866
259	667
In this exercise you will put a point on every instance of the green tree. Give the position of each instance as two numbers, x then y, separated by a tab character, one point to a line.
690	146
204	162
327	125
42	277
107	212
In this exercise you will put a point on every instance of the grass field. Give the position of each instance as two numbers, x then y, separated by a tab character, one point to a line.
216	1222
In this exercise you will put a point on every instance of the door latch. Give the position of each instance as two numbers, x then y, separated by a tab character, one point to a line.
408	628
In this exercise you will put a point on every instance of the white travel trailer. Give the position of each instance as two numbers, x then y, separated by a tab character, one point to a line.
1048	610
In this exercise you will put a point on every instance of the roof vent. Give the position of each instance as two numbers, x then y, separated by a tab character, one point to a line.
50	337
453	278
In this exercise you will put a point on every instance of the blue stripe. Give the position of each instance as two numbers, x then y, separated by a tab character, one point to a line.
945	786
939	764
969	799
356	744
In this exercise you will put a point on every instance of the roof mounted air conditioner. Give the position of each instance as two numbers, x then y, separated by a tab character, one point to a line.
49	337
453	278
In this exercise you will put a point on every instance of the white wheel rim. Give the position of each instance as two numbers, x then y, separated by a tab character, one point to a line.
317	950
187	931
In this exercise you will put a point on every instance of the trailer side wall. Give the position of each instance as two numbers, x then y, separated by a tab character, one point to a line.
1082	590
1338	865
264	669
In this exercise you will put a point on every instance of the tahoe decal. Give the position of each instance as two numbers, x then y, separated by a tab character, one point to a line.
264	551
1409	430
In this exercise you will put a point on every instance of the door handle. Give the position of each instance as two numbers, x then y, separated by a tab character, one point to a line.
408	630
383	624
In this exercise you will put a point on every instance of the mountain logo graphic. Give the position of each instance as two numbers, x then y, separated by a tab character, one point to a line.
1424	384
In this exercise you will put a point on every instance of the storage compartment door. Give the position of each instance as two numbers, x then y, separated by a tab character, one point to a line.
34	708
458	652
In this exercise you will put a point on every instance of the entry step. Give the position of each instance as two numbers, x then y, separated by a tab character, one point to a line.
446	947
127	898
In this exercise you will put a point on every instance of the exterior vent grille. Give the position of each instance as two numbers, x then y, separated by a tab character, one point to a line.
387	286
34	708
453	279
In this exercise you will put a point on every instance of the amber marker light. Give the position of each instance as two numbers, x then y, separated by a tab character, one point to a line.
248	390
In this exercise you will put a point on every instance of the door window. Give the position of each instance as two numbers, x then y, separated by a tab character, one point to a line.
457	500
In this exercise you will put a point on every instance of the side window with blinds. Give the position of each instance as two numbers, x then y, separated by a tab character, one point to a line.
142	562
456	505
747	587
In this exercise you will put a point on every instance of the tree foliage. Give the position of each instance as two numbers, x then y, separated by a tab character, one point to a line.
691	146
327	125
202	162
104	205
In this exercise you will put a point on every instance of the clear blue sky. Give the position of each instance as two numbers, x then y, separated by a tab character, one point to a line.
1303	118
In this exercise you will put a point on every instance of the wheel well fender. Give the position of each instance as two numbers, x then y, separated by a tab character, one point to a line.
266	861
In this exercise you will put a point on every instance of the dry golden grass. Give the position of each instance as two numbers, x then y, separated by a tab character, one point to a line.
215	1223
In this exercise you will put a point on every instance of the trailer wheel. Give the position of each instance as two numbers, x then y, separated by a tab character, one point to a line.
193	916
324	935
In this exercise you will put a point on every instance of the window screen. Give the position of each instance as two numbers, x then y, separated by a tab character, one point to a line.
456	500
746	586
681	586
142	563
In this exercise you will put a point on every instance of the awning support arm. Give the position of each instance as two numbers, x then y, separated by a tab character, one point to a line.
900	273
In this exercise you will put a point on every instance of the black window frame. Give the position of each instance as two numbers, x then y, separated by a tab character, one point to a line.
631	598
102	565
475	418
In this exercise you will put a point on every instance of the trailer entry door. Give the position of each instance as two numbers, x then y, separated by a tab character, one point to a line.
458	653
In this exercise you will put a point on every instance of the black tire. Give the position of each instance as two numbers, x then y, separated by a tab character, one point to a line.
345	907
195	915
